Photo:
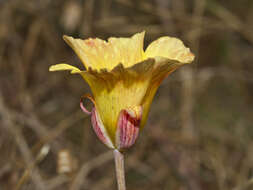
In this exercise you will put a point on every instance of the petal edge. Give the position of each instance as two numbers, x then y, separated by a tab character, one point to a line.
171	48
64	67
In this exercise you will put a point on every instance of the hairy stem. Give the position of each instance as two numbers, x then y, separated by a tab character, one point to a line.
120	171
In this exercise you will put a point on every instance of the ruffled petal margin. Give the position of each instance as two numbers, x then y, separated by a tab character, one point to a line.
98	54
171	48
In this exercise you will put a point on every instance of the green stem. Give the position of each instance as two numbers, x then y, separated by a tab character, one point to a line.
120	171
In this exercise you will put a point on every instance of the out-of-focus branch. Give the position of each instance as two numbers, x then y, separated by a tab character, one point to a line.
87	25
188	166
23	147
80	178
230	20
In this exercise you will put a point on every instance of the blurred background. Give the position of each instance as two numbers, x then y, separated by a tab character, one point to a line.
199	134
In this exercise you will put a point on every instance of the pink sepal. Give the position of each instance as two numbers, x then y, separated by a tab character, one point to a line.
100	129
81	103
128	127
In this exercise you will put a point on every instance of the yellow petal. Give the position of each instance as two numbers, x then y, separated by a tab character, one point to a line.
118	89
169	54
122	88
171	48
161	69
99	54
64	67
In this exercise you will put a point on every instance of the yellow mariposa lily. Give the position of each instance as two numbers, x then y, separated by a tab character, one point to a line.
124	79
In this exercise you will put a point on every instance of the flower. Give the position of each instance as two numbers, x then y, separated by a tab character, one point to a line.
124	79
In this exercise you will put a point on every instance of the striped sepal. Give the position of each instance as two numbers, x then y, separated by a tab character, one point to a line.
128	127
100	129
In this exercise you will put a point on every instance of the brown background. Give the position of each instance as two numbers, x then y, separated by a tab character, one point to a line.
199	134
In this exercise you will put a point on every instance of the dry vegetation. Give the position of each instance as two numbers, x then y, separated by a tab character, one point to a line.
199	134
